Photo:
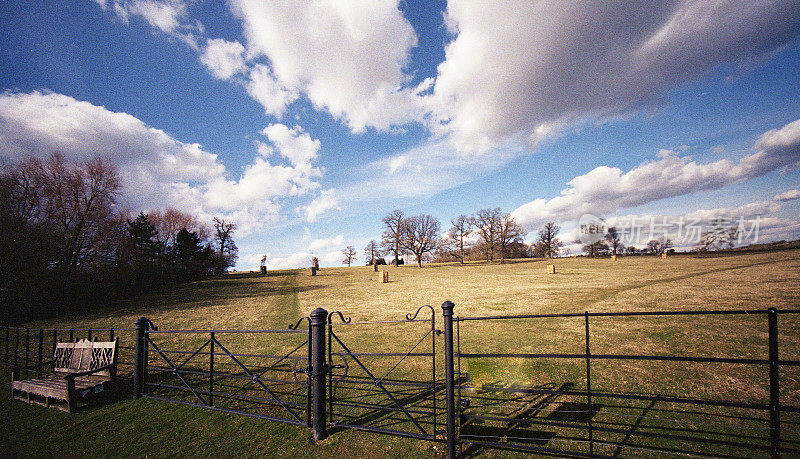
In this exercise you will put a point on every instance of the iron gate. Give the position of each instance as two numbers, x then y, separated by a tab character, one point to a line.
258	373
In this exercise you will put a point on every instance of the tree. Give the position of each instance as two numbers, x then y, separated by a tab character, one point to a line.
548	245
488	222
596	249
349	253
228	252
144	239
420	235
659	246
371	252
614	241
509	235
394	224
171	221
458	234
720	236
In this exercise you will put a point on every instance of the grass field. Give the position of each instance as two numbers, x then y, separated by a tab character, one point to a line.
245	301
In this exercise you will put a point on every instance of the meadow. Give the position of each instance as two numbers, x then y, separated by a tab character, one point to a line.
253	301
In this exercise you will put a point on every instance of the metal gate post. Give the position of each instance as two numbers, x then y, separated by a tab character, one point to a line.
449	383
140	358
319	318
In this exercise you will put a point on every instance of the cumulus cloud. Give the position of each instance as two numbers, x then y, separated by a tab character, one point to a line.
526	69
607	189
223	58
325	202
789	195
348	58
158	170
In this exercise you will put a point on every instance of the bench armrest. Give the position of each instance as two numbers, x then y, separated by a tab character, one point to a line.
89	372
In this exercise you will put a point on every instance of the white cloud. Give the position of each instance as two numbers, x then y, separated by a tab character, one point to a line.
169	16
325	202
223	58
347	57
328	250
158	170
788	195
607	189
273	95
521	68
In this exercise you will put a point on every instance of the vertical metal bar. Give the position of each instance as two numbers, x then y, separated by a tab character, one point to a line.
450	432
71	335
41	351
140	362
90	335
309	406
774	386
55	340
330	374
319	318
211	373
111	335
433	367
460	377
589	386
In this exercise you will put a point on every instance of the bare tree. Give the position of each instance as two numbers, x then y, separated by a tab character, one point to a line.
488	224
420	235
549	245
720	236
614	241
349	253
393	234
171	221
510	233
659	246
227	247
371	252
596	249
458	234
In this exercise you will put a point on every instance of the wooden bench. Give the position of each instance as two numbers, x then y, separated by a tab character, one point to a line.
80	370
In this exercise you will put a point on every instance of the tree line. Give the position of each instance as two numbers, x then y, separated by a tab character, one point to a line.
68	247
488	234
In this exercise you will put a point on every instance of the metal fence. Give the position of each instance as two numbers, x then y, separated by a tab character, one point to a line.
599	384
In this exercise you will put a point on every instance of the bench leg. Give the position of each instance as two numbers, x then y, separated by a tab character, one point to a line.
70	395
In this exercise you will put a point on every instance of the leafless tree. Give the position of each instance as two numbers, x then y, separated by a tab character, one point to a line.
371	252
171	221
510	233
549	245
458	234
349	253
596	249
420	235
488	224
614	241
393	233
225	243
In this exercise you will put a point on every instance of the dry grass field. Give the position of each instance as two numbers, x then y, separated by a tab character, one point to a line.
743	281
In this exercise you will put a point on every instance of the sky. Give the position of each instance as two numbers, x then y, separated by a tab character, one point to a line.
305	123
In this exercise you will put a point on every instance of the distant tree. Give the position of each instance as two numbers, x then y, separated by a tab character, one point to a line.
228	252
371	252
459	232
394	229
349	253
614	241
659	246
596	249
509	235
420	235
630	250
171	221
488	224
144	239
548	245
720	236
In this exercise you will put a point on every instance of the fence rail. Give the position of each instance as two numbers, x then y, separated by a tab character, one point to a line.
467	386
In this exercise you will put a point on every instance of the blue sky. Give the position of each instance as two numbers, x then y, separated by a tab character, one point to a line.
307	122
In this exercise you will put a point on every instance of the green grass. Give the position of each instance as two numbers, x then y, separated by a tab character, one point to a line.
246	301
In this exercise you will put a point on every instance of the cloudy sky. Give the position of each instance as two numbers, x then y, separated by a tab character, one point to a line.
307	122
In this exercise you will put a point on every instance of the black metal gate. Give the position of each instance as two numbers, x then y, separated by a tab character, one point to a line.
395	391
258	373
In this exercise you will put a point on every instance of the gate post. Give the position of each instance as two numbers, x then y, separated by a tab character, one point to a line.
140	357
774	386
449	383
319	318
